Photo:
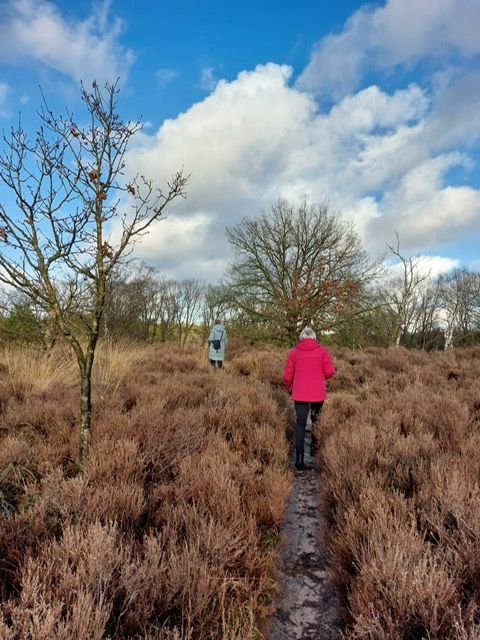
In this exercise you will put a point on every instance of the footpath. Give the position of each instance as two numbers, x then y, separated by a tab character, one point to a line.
306	607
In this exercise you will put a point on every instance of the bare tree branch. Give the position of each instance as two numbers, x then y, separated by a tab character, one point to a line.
68	185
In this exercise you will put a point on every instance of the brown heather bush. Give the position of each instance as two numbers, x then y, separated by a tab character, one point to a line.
400	490
168	533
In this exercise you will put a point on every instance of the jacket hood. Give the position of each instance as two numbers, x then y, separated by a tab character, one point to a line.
308	344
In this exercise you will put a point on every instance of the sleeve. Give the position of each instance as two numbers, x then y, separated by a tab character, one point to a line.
225	337
211	336
289	371
328	366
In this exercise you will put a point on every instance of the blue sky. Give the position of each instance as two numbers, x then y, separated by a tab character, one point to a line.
375	107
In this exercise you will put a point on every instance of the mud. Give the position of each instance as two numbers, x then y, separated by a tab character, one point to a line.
307	607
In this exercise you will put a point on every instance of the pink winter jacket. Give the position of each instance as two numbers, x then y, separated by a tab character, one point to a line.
308	366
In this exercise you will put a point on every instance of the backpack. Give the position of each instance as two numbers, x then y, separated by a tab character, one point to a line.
217	344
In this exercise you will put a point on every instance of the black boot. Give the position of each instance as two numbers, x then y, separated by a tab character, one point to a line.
299	463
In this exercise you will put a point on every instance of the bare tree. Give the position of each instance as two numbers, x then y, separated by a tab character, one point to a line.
68	184
189	298
404	293
132	307
215	304
296	266
459	293
167	308
425	327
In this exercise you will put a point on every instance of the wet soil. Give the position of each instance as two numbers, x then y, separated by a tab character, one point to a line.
307	606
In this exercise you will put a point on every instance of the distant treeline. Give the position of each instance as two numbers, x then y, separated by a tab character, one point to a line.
292	267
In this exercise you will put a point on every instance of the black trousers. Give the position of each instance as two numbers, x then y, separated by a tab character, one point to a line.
217	363
301	410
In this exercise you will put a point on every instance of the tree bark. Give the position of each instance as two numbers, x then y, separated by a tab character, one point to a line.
448	338
85	410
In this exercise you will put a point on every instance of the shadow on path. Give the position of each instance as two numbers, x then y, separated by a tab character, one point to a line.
306	608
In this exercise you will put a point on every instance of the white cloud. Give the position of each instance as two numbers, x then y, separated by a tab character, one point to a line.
208	80
81	49
374	155
4	91
372	108
231	141
456	120
165	76
437	265
178	243
398	33
424	210
176	239
432	266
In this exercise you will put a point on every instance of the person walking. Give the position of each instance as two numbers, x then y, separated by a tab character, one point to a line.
218	342
308	367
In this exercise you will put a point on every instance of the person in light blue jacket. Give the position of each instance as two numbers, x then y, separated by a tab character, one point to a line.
218	342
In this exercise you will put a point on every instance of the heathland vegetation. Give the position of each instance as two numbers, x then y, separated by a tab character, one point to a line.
164	523
400	490
172	529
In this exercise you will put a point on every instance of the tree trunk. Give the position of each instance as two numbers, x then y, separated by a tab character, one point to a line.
85	412
448	338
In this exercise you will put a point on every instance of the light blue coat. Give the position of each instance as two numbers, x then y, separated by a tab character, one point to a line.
218	333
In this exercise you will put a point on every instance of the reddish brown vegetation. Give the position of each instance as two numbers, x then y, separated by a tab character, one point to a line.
168	534
401	472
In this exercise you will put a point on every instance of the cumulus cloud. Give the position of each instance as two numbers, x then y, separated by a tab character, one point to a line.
436	265
375	155
432	266
456	120
398	33
231	142
424	210
176	239
81	49
179	243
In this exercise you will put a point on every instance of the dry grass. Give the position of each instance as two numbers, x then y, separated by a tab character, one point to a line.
35	371
168	533
113	363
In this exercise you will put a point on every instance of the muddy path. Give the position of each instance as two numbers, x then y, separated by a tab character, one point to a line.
306	607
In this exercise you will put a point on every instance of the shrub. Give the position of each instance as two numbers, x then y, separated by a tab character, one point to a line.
163	536
401	493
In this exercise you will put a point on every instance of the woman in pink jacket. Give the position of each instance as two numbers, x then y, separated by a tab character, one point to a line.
308	367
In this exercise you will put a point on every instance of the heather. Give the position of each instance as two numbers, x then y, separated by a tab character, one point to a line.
400	490
171	528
